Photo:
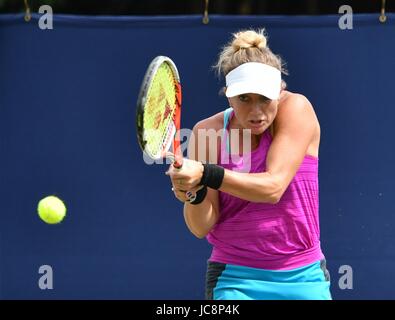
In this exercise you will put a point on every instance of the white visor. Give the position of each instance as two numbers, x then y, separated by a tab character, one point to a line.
254	77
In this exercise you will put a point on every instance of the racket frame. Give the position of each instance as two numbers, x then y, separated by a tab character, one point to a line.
176	156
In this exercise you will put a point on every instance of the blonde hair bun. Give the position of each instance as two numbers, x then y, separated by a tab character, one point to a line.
249	39
247	46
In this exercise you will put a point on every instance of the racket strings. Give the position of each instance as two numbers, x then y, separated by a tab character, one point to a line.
159	110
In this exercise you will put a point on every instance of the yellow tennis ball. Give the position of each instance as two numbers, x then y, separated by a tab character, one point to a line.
51	209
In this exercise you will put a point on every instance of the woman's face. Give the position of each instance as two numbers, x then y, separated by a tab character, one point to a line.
254	111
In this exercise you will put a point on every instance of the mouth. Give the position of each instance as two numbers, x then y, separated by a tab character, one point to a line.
256	123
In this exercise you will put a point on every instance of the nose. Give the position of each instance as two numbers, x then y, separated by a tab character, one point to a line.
258	108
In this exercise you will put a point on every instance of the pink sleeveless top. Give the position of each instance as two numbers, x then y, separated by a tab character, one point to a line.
280	236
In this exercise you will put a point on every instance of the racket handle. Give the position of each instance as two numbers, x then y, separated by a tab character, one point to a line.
176	160
177	163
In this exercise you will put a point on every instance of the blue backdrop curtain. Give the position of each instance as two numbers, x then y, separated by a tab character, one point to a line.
67	106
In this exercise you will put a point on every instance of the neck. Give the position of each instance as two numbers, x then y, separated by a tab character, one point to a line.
235	125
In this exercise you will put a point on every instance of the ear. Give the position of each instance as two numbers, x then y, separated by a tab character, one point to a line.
230	104
224	93
224	89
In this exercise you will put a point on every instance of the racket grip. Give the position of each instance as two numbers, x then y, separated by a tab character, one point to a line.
178	165
177	161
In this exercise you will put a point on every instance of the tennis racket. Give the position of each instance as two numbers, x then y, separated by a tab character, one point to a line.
159	112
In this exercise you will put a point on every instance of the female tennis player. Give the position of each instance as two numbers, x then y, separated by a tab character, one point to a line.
263	224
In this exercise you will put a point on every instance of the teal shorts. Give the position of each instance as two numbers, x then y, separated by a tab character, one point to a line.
231	282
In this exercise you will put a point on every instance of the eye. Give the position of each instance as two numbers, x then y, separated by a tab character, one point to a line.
265	99
243	98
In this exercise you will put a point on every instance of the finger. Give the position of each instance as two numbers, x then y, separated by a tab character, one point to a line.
175	189
174	173
179	192
196	189
180	195
186	185
170	171
179	184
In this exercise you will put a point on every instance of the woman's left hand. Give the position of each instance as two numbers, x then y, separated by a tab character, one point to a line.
188	176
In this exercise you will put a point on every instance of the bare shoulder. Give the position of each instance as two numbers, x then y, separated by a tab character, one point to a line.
295	105
295	101
295	112
214	122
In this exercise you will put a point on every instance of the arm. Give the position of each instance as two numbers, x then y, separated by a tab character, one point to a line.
294	128
201	218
